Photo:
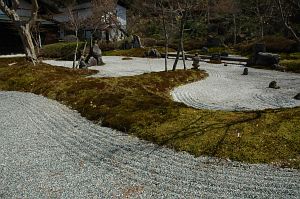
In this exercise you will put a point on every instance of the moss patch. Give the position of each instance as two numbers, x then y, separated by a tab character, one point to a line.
134	52
141	106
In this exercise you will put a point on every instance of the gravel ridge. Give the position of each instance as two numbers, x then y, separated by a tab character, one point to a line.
50	151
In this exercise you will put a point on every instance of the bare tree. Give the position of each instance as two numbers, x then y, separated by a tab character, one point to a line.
183	9
261	11
166	15
24	26
286	9
232	8
76	22
103	16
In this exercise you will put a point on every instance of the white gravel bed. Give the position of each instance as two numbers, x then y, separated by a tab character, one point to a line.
116	67
12	56
50	151
227	89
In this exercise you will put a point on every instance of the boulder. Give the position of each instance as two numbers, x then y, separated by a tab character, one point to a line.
96	50
92	61
278	67
273	84
215	58
258	48
267	59
297	97
153	53
214	42
136	42
82	63
97	54
246	71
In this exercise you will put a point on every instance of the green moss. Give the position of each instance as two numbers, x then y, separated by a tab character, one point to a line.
134	52
292	65
141	106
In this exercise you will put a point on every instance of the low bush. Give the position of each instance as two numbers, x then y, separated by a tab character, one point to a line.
273	44
135	52
148	42
279	44
62	50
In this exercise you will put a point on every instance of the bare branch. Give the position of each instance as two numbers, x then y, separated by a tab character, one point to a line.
34	13
9	12
15	4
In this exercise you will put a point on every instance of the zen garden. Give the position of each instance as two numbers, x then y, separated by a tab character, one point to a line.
149	99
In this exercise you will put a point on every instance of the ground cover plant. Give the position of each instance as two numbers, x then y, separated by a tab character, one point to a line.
141	106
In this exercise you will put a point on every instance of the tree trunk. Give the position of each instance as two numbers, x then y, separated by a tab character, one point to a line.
180	44
166	40
24	32
285	21
234	29
76	49
262	28
177	57
183	54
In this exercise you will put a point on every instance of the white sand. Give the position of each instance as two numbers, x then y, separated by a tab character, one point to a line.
11	56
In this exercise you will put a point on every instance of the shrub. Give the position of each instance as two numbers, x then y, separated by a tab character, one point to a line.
279	44
63	50
149	42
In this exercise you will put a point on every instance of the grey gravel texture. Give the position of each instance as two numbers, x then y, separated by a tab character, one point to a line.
50	151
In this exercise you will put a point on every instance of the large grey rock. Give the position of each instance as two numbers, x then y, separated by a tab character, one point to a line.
273	84
216	58
267	59
82	63
96	50
97	54
205	50
258	48
224	54
153	53
136	42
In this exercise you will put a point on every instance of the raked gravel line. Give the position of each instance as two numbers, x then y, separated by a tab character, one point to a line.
50	151
227	89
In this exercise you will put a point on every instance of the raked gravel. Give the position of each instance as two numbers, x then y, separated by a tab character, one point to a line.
50	151
225	88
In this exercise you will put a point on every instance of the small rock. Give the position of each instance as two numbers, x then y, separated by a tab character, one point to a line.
273	84
225	64
246	71
205	50
297	97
